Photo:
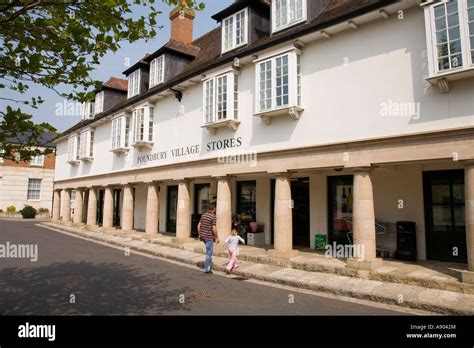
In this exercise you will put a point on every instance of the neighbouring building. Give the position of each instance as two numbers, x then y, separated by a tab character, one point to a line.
331	118
28	182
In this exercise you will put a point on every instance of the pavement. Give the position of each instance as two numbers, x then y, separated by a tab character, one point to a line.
76	276
404	285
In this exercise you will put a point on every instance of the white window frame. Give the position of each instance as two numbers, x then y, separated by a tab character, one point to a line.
230	43
87	110
142	117
36	189
157	71
118	131
72	149
134	80
37	161
290	22
99	103
294	81
86	145
467	62
211	101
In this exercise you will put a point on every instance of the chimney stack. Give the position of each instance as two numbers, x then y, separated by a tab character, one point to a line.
182	23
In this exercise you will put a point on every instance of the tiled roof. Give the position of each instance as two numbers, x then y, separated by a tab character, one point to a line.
45	139
116	83
210	57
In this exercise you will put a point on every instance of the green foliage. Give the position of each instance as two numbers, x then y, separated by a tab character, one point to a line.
11	209
28	212
43	210
60	42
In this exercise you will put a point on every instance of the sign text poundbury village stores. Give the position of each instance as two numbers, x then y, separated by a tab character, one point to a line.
217	145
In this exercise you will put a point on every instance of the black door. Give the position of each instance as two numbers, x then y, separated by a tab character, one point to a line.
172	206
100	207
117	209
340	191
202	197
444	215
300	216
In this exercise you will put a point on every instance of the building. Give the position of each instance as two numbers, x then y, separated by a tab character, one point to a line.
333	117
28	182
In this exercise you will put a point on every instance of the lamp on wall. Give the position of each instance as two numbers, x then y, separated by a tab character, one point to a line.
178	94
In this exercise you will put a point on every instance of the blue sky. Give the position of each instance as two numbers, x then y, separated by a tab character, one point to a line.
113	64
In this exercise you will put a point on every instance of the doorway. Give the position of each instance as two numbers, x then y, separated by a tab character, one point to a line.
202	198
172	206
444	215
117	209
300	212
340	204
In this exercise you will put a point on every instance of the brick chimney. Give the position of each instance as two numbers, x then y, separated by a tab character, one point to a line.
182	23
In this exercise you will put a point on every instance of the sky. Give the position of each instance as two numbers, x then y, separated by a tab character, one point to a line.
112	64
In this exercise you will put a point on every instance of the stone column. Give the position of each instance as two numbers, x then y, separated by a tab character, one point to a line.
183	214
283	219
468	276
66	205
56	205
223	208
363	222
108	214
78	205
92	208
127	208
152	209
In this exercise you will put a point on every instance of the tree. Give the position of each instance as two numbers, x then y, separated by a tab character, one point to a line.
55	42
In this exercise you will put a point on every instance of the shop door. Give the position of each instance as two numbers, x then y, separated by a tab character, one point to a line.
172	199
117	209
340	191
444	214
100	207
202	197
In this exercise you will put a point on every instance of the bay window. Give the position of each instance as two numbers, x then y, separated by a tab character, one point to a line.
234	31
279	85
120	134
134	83
157	71
86	145
286	13
221	100
73	149
87	110
142	126
99	103
450	39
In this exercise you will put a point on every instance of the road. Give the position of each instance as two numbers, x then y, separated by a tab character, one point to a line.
101	280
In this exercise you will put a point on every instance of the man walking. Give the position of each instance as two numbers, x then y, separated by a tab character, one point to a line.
208	233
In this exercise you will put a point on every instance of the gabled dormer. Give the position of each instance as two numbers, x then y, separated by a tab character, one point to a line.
242	23
138	78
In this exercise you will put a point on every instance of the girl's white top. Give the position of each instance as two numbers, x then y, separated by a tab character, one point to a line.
233	241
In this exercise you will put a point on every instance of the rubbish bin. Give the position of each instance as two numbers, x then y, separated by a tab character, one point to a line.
406	241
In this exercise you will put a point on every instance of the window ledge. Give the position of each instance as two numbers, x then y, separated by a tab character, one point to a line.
87	159
74	162
214	126
143	144
120	151
443	79
37	165
293	111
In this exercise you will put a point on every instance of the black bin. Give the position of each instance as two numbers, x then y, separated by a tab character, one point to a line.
406	241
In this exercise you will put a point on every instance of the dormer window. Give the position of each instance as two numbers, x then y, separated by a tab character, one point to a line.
234	31
286	13
87	110
157	71
134	83
99	103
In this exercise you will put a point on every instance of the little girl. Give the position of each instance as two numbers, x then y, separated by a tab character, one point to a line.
232	242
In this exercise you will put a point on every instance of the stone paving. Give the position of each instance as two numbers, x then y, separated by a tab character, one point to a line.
431	286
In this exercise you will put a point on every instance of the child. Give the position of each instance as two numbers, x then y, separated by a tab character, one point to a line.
232	242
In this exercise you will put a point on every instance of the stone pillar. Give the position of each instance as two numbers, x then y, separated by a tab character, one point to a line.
127	208
468	276
363	222
78	205
66	205
56	205
108	214
183	214
92	208
223	208
152	209
283	219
